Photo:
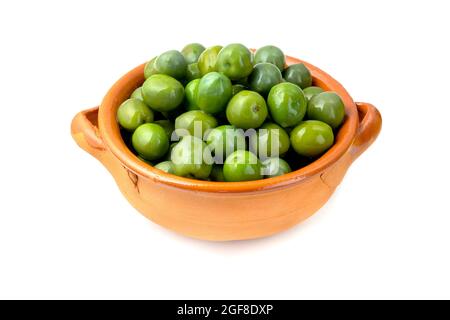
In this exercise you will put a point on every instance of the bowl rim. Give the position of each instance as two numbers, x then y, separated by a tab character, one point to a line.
121	90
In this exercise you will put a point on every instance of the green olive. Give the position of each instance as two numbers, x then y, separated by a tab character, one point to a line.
327	107
171	63
287	104
132	113
310	92
149	68
195	123
193	72
270	54
298	74
264	77
150	141
273	167
192	157
137	94
213	92
167	125
166	166
237	88
162	92
207	60
192	51
247	109
311	138
224	140
190	91
269	141
242	165
234	61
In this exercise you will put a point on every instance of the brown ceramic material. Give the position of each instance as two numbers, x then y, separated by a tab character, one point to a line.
224	210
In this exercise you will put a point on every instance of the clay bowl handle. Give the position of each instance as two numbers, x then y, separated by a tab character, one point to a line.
369	127
85	132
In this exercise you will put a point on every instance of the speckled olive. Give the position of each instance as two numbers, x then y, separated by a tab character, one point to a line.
193	72
224	140
264	77
192	51
137	94
270	140
298	74
207	60
213	92
166	166
310	92
132	113
195	122
270	54
171	63
149	68
167	125
273	167
311	138
150	141
242	165
287	104
327	107
191	157
190	90
234	61
162	92
247	109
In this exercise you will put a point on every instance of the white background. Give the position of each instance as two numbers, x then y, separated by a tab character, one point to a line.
67	232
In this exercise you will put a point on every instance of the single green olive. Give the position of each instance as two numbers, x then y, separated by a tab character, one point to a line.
162	92
171	63
150	141
264	77
193	72
311	138
195	123
298	74
310	92
287	104
213	92
149	68
166	166
190	90
132	113
167	125
273	167
192	51
242	165
207	60
327	107
247	109
192	157
137	94
271	54
217	173
236	88
269	141
224	140
234	61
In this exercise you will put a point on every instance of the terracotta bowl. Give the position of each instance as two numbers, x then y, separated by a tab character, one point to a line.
221	211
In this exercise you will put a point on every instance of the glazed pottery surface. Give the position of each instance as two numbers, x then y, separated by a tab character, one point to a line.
221	211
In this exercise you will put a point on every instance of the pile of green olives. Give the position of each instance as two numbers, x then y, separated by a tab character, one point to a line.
228	114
